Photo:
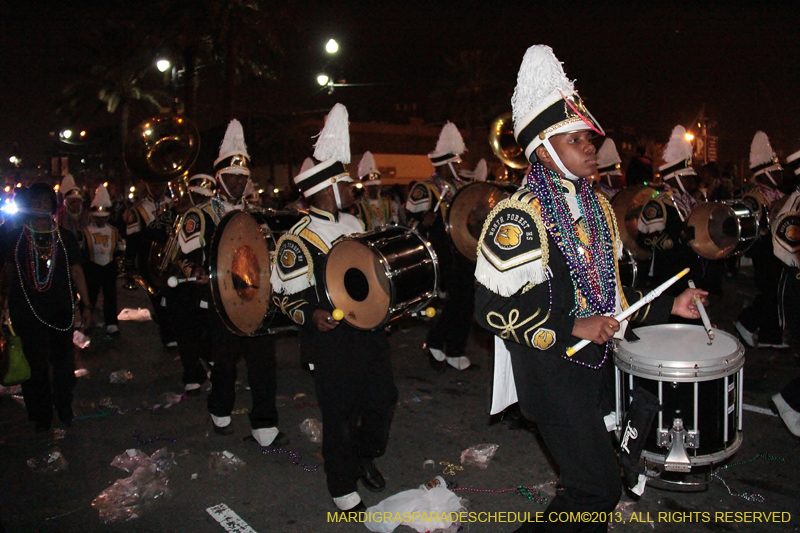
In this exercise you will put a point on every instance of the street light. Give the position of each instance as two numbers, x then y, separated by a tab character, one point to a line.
323	80
163	65
331	46
66	134
689	137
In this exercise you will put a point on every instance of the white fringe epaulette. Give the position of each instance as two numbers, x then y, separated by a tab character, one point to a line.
678	148
540	75
760	150
334	140
510	281
302	279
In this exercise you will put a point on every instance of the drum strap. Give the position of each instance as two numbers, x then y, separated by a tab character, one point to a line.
635	429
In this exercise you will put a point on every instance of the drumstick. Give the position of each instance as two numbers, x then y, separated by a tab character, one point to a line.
700	307
649	297
174	281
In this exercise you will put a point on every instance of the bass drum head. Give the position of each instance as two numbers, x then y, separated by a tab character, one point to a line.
468	211
716	230
240	270
357	283
628	204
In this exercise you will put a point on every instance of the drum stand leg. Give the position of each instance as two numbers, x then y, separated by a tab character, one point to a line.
659	478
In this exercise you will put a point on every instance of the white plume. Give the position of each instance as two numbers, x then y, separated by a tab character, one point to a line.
607	154
101	198
481	170
307	164
367	165
333	141
233	142
450	141
540	75
760	150
67	184
678	148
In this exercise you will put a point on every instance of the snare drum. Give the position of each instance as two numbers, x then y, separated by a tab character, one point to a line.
376	276
240	268
699	387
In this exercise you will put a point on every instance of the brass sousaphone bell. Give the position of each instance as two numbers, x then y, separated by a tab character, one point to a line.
503	143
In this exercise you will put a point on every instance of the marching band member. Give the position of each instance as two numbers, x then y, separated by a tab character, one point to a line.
758	325
662	222
374	209
547	276
71	215
232	176
609	170
352	368
427	203
102	244
191	301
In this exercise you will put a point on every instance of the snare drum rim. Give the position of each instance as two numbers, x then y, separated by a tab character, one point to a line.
393	296
735	361
216	296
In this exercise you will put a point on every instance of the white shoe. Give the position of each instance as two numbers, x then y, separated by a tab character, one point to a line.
459	363
748	338
112	329
172	344
790	417
438	354
264	436
348	501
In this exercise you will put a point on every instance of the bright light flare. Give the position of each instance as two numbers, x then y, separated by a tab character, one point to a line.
66	134
276	190
10	208
331	46
163	65
689	137
323	80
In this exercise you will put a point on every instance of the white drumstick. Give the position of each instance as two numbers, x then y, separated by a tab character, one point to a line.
703	315
649	297
174	281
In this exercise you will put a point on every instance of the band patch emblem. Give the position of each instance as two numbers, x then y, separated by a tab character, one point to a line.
508	236
288	258
190	225
418	193
652	211
543	338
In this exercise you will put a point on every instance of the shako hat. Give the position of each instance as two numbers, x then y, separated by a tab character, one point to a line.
233	157
449	147
202	184
333	150
677	156
793	163
101	204
68	187
367	171
608	159
762	158
545	103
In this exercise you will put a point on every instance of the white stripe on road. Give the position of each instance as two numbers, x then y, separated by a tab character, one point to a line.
762	410
229	519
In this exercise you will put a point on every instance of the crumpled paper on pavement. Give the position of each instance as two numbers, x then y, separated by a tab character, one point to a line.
139	315
414	503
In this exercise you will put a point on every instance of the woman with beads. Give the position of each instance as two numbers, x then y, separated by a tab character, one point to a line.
41	271
548	277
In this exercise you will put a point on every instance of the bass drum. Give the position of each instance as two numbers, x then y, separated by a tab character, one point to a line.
377	276
468	211
240	268
722	229
628	204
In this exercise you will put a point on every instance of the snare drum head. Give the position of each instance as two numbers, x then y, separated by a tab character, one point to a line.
357	283
240	270
679	352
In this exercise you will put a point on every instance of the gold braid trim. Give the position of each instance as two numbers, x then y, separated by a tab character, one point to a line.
303	248
534	210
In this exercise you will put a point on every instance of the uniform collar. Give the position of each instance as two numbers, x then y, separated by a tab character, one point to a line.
321	214
567	186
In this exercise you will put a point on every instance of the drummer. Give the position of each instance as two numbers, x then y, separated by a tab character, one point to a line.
374	209
546	274
232	176
427	205
609	170
352	369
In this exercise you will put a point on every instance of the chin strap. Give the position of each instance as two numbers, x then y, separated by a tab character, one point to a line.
338	198
680	183
557	160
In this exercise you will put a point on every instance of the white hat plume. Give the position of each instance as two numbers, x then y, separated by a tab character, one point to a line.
450	141
678	148
481	171
540	79
367	165
334	140
233	142
607	154
101	198
760	150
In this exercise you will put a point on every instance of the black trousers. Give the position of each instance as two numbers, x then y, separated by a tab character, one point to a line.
45	347
762	315
450	332
191	321
568	401
103	277
356	394
259	355
789	305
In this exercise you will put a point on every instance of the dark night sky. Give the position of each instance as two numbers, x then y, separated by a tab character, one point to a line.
645	65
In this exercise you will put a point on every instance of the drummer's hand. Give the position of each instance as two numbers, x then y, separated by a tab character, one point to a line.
597	328
200	274
684	304
324	320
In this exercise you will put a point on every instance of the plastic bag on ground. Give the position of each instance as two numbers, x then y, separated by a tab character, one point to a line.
163	460
224	462
126	498
120	376
168	399
80	340
437	500
51	462
479	455
140	315
312	428
130	460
